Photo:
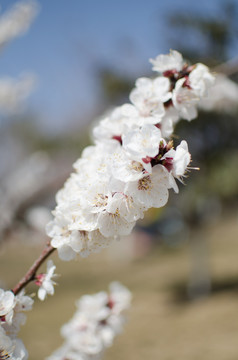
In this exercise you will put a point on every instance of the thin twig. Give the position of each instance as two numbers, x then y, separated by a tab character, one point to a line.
30	275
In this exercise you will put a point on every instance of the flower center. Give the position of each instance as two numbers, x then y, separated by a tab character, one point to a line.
100	200
4	355
145	183
136	166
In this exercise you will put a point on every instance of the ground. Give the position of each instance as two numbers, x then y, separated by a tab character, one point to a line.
162	324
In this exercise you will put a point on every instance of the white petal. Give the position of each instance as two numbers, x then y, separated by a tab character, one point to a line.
41	294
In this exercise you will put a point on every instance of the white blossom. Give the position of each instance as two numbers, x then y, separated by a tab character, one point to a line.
11	348
118	122
151	190
66	352
168	121
172	61
148	97
142	142
112	223
63	239
127	207
125	168
223	97
200	79
11	317
185	100
178	161
98	319
181	160
46	282
17	317
7	302
120	297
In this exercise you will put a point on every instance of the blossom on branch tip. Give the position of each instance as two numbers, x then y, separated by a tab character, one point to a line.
185	100
172	61
45	282
132	164
201	79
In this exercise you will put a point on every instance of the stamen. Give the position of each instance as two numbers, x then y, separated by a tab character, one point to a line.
145	183
4	355
193	168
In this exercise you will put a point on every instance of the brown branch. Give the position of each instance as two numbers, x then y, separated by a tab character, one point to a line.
30	275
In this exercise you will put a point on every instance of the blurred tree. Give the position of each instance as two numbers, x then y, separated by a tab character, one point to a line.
116	87
213	135
207	38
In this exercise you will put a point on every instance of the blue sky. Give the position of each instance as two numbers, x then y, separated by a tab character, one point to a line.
69	39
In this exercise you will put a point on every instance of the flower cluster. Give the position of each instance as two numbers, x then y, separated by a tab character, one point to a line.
133	163
12	308
12	316
98	319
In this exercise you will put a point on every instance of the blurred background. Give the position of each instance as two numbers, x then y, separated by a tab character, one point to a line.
63	63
